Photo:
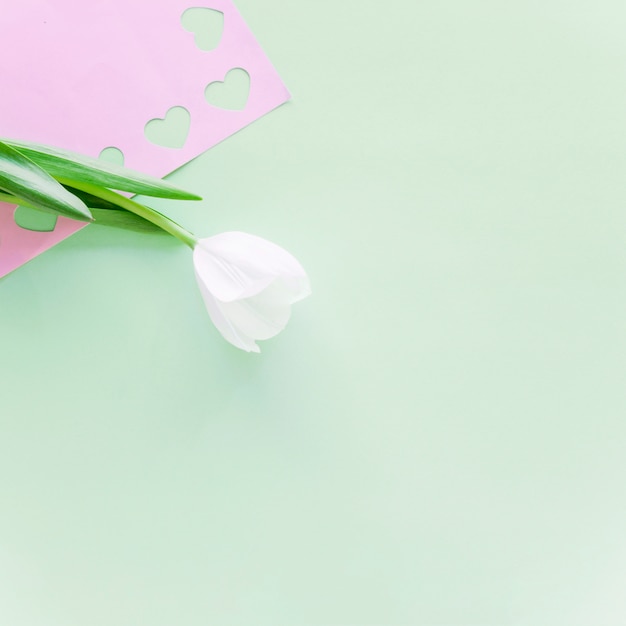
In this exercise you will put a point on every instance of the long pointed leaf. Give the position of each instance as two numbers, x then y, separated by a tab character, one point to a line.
27	181
78	167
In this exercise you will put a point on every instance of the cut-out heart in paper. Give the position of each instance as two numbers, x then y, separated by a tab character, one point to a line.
206	24
112	155
232	92
31	219
14	252
171	131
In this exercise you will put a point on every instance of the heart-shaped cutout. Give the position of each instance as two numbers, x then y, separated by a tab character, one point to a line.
170	131
206	24
232	92
112	155
31	219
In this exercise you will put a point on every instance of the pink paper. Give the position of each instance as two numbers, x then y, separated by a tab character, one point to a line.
88	75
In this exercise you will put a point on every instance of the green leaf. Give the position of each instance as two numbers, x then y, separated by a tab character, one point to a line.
71	166
124	219
108	214
25	180
104	213
93	202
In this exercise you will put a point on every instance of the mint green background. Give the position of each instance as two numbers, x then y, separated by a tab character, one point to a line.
439	436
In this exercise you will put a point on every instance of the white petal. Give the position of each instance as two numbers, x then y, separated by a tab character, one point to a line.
261	316
237	265
223	324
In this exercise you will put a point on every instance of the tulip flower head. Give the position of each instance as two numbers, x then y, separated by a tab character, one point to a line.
248	285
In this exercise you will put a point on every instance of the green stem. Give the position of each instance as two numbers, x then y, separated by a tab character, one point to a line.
158	219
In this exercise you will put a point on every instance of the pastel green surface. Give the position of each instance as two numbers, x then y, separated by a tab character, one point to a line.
438	437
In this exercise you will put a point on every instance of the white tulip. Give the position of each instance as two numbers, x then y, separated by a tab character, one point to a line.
248	285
